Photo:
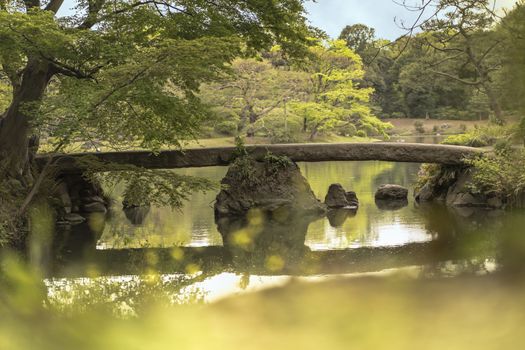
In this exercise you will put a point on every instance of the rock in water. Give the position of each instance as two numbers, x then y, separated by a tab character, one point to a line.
337	197
389	192
268	186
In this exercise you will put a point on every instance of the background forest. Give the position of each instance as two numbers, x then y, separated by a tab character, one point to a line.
466	65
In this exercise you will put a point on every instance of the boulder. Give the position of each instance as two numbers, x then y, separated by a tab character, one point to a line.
391	192
337	197
452	185
265	185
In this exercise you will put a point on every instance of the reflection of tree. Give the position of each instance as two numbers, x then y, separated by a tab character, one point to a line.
473	238
72	243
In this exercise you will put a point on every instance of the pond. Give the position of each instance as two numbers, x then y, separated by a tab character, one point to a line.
186	247
194	224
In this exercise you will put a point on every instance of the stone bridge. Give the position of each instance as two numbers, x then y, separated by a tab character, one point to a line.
313	152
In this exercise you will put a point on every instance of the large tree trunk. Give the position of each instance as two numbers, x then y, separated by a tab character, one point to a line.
15	127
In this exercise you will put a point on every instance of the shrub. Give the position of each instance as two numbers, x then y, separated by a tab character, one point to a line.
370	129
227	127
471	140
361	133
418	125
348	130
501	173
283	137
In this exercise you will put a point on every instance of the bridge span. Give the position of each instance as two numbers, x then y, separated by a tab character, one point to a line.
312	152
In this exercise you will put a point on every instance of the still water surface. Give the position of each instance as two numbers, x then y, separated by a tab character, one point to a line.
194	224
187	246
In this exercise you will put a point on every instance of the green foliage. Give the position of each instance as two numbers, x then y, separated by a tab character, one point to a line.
436	176
335	97
358	37
361	133
254	91
226	127
145	186
480	136
470	139
512	77
347	130
134	77
240	148
277	162
501	173
520	131
418	125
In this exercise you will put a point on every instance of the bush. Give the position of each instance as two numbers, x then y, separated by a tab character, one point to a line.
435	129
369	129
418	125
361	133
501	173
283	137
471	140
463	128
227	127
347	130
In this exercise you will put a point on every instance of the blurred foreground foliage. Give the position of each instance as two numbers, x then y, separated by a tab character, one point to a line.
365	313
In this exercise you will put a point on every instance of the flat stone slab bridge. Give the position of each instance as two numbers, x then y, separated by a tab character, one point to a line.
312	152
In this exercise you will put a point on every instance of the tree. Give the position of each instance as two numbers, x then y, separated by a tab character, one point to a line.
255	89
360	38
512	77
462	34
123	69
334	95
124	72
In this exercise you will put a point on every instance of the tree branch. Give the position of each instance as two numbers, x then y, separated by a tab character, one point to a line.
54	5
466	82
94	7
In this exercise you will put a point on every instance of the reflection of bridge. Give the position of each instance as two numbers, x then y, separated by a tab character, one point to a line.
216	259
317	152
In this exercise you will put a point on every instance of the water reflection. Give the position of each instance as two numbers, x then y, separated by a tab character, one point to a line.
194	225
136	215
337	217
391	204
268	242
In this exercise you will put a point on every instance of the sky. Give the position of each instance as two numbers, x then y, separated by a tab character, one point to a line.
333	15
